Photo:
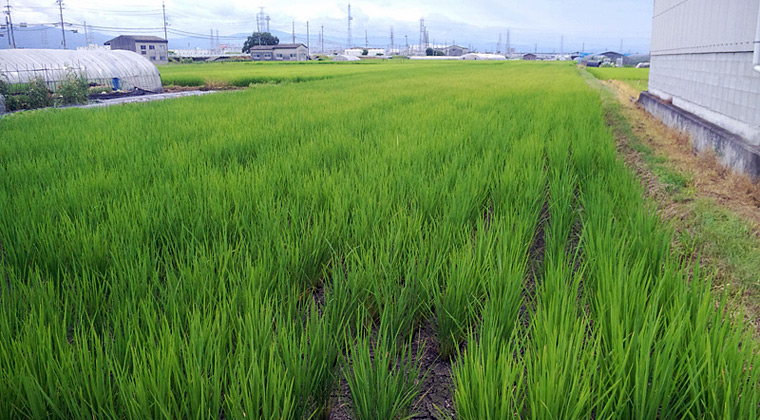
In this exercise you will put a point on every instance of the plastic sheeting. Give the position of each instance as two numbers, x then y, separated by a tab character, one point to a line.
344	57
99	66
478	56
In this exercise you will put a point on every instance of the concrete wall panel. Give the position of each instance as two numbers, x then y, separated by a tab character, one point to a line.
703	26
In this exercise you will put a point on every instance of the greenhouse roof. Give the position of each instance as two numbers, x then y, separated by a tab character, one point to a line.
99	66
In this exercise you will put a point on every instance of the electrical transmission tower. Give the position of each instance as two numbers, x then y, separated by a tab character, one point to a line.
260	20
509	47
9	26
350	40
393	44
63	30
423	35
87	35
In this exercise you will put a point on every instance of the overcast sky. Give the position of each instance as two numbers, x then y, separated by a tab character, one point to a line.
599	24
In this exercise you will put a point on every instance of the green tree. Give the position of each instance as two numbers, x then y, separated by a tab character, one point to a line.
259	38
365	51
434	52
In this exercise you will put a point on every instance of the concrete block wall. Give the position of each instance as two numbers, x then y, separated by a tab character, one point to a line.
732	150
722	88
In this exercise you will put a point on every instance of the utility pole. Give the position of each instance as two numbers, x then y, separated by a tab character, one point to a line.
366	39
498	45
218	43
621	45
562	45
86	35
211	47
322	39
535	49
9	25
163	7
63	30
406	41
509	47
308	39
350	39
294	32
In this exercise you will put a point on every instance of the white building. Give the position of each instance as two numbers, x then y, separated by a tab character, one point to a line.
706	61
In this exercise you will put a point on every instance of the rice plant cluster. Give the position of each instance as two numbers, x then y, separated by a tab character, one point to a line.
250	254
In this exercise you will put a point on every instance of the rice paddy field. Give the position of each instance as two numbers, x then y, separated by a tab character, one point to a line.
322	249
243	74
638	79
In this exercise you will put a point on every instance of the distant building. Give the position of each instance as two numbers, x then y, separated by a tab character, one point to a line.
455	51
280	52
705	61
530	57
153	48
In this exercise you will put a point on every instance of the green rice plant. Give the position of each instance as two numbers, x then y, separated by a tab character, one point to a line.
215	269
458	299
311	354
489	379
384	375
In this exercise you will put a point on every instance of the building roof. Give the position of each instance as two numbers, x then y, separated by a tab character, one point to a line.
137	38
278	46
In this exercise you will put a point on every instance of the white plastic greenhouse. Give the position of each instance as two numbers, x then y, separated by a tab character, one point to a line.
481	56
120	69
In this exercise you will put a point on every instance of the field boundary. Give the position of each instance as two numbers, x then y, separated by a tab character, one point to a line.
713	210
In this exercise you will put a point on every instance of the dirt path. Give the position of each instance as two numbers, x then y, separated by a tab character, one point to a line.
145	98
708	179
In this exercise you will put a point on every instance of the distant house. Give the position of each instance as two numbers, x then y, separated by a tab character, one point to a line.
530	57
455	51
153	48
280	52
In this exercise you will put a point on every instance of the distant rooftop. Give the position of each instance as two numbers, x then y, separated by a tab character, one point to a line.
137	38
278	46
